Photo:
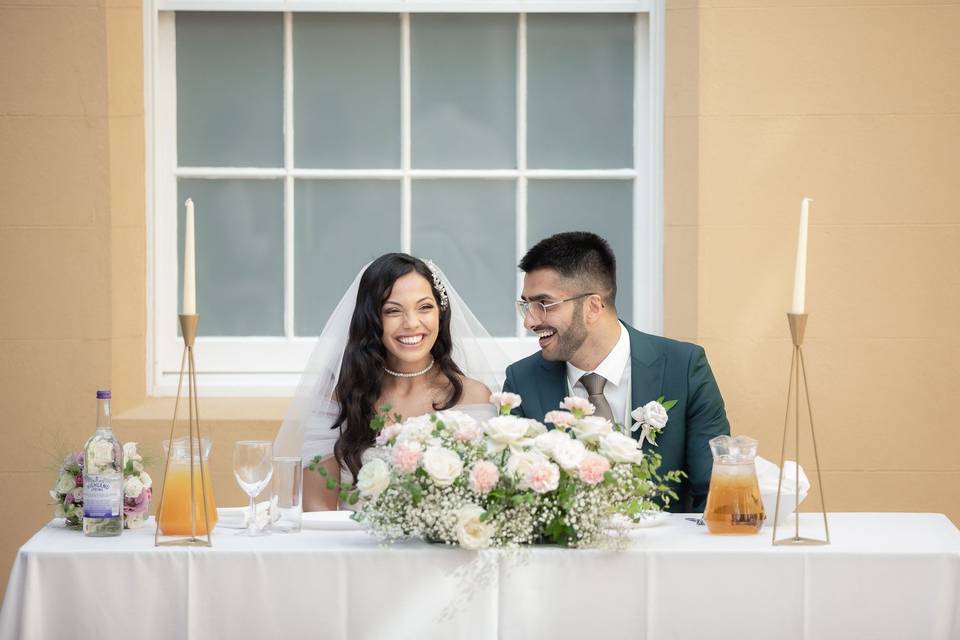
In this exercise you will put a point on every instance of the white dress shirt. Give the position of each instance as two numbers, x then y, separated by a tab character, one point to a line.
615	368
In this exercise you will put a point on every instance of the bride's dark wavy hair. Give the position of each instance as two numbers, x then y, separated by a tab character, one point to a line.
362	374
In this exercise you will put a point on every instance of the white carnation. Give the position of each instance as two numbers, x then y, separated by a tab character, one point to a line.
419	429
569	454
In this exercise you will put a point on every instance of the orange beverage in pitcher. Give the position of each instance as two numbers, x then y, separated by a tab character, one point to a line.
174	516
734	504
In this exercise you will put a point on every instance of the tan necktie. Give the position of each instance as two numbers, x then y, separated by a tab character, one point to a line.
593	383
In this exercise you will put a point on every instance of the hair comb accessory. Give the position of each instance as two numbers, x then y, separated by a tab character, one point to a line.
438	284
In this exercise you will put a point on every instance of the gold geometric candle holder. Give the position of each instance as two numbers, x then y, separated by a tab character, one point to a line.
798	323
188	327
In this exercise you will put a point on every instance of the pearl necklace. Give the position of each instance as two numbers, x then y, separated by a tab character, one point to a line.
401	374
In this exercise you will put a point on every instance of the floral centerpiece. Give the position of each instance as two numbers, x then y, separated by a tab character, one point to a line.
506	481
137	489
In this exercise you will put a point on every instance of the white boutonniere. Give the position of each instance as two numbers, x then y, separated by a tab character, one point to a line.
652	418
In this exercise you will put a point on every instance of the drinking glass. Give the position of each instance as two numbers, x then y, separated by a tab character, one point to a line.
287	495
253	467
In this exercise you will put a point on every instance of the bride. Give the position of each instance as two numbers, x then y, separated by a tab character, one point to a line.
400	336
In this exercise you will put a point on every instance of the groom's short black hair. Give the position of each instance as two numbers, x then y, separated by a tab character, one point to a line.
578	255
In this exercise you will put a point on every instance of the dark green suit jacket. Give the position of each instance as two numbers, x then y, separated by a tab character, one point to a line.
658	367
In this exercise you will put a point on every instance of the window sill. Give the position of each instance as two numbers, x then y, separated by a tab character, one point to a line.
255	413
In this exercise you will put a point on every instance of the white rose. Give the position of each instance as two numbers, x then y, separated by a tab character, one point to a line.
137	466
101	453
442	464
546	442
65	484
132	487
146	479
419	429
620	448
506	431
130	452
77	494
373	478
652	414
591	428
522	461
569	454
473	534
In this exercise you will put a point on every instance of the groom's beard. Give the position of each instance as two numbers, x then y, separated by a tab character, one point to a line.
568	341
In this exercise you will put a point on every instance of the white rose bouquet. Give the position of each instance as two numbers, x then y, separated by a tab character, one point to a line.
504	482
137	489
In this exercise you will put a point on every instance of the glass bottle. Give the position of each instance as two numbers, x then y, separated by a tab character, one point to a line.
103	476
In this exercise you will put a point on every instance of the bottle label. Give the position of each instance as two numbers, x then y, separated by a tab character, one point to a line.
102	497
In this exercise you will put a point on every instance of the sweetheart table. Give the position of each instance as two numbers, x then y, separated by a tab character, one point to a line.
885	575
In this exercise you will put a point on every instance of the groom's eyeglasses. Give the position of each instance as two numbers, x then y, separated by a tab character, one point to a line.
538	310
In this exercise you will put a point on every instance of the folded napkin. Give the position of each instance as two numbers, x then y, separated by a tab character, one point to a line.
239	517
768	475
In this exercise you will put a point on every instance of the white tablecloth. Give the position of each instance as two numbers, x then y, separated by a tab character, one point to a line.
885	576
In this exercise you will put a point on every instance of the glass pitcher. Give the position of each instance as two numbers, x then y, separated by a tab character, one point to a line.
734	504
174	516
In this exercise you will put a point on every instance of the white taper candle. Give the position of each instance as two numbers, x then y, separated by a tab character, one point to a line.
189	264
800	274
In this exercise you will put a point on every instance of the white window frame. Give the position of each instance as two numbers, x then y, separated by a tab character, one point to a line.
270	366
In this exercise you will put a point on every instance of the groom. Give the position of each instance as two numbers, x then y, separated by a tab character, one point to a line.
569	294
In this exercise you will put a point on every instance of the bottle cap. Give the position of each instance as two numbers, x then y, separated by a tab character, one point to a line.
103	395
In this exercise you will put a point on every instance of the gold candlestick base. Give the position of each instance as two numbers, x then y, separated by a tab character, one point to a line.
798	324
188	327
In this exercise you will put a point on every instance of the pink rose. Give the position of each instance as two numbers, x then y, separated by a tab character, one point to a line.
592	468
406	456
542	477
560	419
484	477
387	434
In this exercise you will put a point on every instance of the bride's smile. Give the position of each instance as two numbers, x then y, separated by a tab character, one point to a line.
410	318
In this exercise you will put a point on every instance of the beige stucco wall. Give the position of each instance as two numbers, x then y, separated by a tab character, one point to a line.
854	103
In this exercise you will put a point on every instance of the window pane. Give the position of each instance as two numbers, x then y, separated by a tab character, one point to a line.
463	72
347	93
340	226
467	227
239	236
230	89
603	207
580	91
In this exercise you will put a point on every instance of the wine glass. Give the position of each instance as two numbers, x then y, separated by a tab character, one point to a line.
253	467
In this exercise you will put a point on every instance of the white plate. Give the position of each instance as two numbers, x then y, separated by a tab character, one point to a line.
330	521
